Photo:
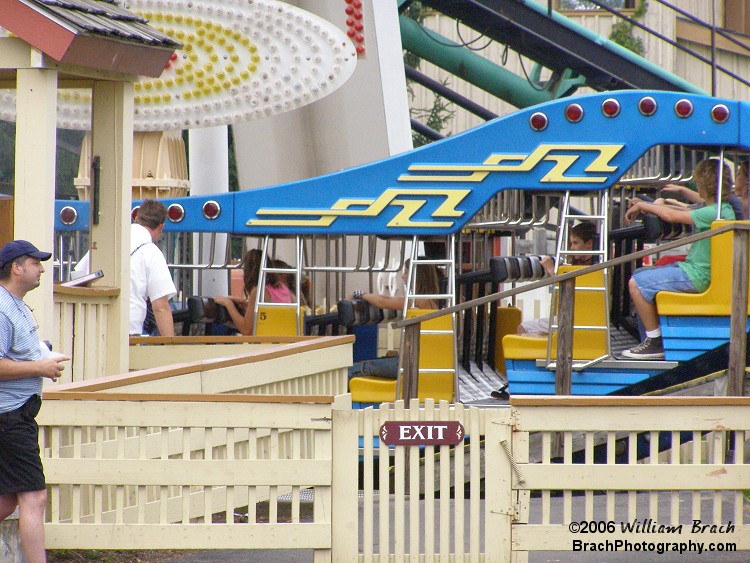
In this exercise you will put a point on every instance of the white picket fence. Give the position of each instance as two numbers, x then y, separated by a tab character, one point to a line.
580	459
159	471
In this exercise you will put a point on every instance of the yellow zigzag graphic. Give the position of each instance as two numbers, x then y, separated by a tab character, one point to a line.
599	164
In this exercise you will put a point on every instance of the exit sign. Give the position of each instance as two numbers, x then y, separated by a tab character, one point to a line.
420	433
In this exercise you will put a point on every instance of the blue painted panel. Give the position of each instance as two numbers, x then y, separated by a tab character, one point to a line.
693	343
438	188
525	378
82	222
689	336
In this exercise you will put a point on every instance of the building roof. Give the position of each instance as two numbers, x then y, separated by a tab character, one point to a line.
91	33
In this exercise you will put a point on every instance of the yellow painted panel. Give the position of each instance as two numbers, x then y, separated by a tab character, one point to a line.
508	319
435	352
372	390
590	310
277	321
716	300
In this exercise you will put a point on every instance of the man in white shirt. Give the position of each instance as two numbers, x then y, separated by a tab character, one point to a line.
149	273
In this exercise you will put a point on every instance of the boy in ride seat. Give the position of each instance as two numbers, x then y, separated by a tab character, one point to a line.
691	276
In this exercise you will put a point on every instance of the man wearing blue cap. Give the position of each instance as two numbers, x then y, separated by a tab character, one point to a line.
22	367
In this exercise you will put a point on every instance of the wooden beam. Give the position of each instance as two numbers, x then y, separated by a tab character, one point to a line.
36	131
410	362
682	401
738	318
112	142
689	31
564	367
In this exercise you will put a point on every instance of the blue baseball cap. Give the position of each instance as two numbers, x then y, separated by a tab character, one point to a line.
16	248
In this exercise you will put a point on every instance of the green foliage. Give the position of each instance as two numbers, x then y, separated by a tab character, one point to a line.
234	181
439	115
436	117
622	31
68	156
7	151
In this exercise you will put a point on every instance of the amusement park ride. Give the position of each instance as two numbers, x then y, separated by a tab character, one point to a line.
462	204
500	179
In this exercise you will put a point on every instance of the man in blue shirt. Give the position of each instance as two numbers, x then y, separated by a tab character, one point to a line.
23	364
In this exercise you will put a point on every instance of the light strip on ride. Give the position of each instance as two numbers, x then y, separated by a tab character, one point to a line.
241	60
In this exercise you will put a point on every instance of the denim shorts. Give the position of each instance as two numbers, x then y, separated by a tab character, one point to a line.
653	279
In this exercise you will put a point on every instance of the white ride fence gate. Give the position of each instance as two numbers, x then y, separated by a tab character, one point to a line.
547	473
154	471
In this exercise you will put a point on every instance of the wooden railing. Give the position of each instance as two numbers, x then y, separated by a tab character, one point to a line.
564	364
82	333
191	472
185	453
251	365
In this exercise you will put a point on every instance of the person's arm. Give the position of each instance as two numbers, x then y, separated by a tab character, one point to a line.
666	212
684	191
384	301
243	323
50	368
163	316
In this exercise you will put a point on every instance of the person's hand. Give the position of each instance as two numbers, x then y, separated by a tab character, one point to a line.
223	300
51	368
634	210
634	201
548	264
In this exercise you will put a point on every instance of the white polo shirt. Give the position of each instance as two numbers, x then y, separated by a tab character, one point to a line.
149	276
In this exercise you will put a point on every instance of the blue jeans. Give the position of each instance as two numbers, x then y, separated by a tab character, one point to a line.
379	367
653	279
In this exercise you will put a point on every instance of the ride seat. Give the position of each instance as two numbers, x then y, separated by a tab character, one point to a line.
278	320
590	310
716	300
508	319
435	353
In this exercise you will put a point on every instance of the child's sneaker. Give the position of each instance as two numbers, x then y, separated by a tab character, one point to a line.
649	349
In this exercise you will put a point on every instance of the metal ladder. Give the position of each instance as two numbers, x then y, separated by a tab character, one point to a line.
600	218
448	298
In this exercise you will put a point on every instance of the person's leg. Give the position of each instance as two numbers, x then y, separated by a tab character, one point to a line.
8	504
644	284
31	524
646	311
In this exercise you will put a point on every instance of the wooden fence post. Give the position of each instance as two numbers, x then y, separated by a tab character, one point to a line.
738	318
564	369
410	362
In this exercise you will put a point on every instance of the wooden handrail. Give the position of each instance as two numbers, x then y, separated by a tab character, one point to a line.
297	346
737	350
187	397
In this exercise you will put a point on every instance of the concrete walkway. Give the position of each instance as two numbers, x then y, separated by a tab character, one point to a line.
306	555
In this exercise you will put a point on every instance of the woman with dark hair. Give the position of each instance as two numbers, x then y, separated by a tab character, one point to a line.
241	310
